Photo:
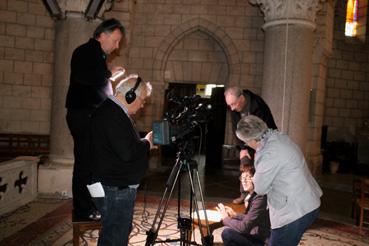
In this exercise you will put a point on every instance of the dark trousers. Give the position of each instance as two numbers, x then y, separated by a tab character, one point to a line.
79	124
231	237
116	210
290	234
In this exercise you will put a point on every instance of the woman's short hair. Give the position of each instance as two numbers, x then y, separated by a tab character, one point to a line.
251	127
248	169
108	26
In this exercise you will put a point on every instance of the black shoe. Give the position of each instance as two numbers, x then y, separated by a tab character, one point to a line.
94	216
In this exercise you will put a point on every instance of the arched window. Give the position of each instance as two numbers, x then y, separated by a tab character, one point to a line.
356	19
351	18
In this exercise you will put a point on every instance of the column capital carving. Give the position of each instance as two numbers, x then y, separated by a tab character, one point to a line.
289	11
72	8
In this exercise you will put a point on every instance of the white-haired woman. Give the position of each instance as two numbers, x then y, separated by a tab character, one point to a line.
281	174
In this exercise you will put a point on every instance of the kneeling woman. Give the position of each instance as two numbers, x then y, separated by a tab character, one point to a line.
252	227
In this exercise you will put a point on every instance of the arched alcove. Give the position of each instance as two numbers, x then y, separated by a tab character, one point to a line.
196	52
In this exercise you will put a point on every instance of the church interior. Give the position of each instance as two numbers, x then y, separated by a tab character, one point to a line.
308	59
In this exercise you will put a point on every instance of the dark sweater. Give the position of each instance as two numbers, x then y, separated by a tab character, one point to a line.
255	105
119	155
88	78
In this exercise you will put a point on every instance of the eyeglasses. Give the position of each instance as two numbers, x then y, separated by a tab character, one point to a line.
245	178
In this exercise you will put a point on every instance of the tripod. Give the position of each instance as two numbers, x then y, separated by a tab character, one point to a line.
183	163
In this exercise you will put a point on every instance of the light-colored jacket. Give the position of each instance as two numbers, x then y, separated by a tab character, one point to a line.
282	174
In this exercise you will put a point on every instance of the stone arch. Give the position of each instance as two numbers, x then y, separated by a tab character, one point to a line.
196	24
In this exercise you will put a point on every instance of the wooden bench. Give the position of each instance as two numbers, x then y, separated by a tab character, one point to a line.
80	227
13	145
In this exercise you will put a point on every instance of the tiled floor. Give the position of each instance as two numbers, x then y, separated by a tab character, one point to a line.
221	185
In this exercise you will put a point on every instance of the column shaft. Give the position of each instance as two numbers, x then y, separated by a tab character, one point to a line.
287	77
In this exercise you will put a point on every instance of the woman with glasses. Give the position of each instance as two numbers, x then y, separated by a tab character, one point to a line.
252	227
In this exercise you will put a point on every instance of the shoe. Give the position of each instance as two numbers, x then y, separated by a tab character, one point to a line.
95	215
239	200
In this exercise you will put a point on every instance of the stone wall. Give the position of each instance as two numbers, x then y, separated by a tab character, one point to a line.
26	66
195	42
192	41
347	101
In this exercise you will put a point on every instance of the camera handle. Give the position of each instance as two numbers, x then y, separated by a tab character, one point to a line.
184	224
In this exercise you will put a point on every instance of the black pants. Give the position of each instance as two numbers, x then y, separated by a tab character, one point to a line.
232	237
79	125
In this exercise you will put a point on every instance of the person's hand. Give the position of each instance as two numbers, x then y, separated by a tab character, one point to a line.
244	153
116	69
222	210
131	76
231	213
148	137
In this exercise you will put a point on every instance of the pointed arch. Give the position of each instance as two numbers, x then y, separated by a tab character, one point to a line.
211	29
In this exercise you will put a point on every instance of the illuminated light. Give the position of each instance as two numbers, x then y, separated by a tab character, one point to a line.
351	18
212	215
208	89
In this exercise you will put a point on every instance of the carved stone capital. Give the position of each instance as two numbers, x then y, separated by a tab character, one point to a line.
289	11
73	8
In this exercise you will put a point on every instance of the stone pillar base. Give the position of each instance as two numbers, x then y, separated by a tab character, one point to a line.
55	179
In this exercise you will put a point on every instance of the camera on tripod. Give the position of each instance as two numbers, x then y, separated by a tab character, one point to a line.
181	120
186	115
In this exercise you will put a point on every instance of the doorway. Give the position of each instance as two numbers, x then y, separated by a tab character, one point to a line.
209	142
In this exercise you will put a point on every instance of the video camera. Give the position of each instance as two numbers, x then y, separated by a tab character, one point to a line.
181	120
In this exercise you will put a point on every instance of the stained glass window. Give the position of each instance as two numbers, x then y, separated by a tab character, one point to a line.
351	18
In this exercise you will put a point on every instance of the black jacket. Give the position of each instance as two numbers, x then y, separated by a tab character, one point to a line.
256	106
89	76
119	155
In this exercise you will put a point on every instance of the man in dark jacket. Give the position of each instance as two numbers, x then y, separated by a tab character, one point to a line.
252	227
246	103
89	86
119	159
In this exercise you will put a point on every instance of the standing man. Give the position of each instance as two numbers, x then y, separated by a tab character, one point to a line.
120	159
282	174
89	86
246	103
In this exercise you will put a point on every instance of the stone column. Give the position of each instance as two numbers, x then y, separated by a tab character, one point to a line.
71	30
287	75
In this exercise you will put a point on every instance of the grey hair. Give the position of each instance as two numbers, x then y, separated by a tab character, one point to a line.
251	127
234	91
124	87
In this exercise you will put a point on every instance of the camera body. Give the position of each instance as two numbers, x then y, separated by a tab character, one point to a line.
181	120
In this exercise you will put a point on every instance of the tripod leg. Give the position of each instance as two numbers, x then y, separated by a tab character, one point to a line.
207	240
163	205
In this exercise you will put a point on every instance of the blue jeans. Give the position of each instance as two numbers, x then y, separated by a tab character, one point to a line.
116	210
231	237
290	234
